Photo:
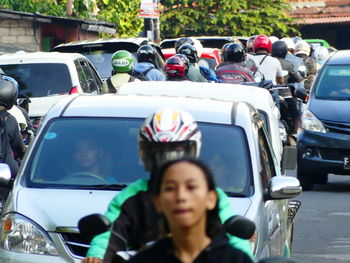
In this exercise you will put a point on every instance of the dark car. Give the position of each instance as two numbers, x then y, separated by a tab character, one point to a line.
324	142
100	51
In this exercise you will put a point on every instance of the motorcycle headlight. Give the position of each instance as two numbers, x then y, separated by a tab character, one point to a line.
19	234
311	123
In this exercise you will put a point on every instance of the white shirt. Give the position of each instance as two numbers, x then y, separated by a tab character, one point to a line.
270	68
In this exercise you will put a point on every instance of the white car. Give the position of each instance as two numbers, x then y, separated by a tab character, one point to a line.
46	77
260	98
48	197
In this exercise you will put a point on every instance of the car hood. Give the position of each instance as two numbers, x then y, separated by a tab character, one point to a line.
331	110
51	208
64	208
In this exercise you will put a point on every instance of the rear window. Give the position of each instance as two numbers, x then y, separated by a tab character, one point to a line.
58	164
333	83
40	79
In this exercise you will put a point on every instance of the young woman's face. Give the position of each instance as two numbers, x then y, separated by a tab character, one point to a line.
184	197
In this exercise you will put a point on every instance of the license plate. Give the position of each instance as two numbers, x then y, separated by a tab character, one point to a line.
347	163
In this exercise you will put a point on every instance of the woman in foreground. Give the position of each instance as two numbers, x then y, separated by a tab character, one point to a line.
185	194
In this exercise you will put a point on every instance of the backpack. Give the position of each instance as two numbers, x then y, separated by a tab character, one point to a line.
5	147
141	75
113	89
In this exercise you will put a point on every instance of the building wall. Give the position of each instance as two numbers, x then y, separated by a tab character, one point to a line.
18	35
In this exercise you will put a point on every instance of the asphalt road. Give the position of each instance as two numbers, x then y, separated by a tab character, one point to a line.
322	226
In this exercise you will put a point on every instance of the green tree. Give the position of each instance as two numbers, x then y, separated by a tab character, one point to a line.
226	17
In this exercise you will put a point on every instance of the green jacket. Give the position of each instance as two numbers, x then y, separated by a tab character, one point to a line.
99	243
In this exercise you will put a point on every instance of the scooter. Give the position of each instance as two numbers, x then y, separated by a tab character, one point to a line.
239	226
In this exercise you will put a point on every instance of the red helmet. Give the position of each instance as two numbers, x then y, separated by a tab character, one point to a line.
176	66
262	42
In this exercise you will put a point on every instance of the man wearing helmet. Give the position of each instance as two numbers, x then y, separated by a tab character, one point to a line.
146	69
12	146
194	72
176	67
167	134
235	69
122	63
269	68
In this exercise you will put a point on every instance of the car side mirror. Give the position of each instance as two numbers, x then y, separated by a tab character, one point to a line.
283	187
289	158
92	225
5	175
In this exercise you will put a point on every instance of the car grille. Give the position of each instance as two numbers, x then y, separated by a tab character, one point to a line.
76	243
337	127
334	154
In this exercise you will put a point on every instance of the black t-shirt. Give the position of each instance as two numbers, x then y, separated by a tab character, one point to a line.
219	250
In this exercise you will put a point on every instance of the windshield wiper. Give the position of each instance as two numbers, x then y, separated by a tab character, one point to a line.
230	194
98	186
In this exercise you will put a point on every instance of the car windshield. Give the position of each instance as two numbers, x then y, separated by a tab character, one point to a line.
334	83
40	79
102	153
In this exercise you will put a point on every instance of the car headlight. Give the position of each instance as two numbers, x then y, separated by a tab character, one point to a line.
311	123
19	234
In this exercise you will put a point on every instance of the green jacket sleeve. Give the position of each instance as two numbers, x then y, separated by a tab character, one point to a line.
225	212
99	243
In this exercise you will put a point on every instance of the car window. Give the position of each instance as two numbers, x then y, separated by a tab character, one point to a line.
267	168
55	160
333	83
86	77
40	79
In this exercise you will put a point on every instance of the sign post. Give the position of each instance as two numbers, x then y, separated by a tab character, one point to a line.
149	11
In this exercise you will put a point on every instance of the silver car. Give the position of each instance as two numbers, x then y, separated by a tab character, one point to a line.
49	195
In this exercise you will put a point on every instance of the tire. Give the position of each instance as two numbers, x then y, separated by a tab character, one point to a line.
321	178
306	179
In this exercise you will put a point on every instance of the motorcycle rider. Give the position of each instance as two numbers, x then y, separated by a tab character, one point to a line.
269	68
12	146
296	62
280	50
167	134
194	72
187	186
320	54
146	67
176	67
235	69
122	64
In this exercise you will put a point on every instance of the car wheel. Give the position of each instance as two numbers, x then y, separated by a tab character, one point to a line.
321	178
305	179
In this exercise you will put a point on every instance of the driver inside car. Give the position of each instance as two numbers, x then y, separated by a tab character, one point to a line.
91	161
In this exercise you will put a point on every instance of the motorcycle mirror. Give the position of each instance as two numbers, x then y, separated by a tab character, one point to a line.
301	93
92	225
240	226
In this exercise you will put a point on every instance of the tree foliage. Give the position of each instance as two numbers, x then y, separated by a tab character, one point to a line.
178	17
226	17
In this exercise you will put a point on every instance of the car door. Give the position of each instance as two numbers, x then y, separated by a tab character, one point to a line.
89	79
271	207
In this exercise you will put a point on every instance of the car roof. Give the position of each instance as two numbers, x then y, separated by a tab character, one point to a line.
340	57
141	106
38	57
258	97
91	42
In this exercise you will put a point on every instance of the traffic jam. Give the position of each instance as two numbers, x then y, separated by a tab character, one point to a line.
193	149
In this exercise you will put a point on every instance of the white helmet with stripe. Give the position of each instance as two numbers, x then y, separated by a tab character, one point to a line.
168	134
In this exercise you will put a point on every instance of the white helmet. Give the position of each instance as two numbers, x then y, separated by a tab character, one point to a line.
302	47
289	42
199	47
320	54
168	134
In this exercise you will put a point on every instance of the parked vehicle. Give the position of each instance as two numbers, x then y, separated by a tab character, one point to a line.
46	77
235	144
324	142
100	51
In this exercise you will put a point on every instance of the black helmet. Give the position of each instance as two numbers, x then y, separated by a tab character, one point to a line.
146	53
235	53
189	51
279	49
8	93
181	41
